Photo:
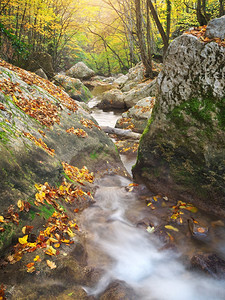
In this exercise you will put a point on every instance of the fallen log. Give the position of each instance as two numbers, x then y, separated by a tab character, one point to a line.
126	133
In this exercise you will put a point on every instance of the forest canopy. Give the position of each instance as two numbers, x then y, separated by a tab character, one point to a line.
110	36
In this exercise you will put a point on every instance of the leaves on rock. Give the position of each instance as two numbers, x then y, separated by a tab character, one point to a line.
200	31
79	132
88	123
40	143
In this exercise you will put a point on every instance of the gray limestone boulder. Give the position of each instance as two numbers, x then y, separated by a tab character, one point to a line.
216	28
121	80
81	71
113	99
181	152
74	87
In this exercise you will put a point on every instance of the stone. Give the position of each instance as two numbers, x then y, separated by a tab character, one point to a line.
24	162
81	71
113	99
139	92
121	80
41	73
210	264
138	115
181	152
41	60
74	87
216	28
118	290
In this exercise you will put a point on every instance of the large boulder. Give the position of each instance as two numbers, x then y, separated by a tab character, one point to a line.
113	99
81	71
41	127
181	152
40	60
216	28
137	116
74	87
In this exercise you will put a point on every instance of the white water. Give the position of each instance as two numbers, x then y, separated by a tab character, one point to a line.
133	254
130	254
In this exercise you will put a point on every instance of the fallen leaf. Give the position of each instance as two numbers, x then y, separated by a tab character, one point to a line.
51	264
23	240
171	228
37	258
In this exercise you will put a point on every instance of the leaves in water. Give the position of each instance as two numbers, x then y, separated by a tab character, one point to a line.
170	227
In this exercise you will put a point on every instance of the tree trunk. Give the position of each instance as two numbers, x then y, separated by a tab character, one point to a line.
168	18
147	62
159	25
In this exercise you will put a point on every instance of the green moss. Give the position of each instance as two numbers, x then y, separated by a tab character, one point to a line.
208	111
94	155
3	137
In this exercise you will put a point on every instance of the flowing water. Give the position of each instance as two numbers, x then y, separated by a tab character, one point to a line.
131	254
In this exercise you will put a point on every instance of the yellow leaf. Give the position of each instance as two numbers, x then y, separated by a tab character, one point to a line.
37	258
23	240
171	228
14	98
20	205
70	232
50	251
1	219
51	264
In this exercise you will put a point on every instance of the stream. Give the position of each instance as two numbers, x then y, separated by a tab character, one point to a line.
129	253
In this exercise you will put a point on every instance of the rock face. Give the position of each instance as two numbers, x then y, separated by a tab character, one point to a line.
74	87
81	71
41	127
216	28
137	115
41	60
182	149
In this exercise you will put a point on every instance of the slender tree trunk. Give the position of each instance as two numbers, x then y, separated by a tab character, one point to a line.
221	11
200	17
168	18
159	25
147	62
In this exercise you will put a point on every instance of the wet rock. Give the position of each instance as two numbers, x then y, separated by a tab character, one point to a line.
74	87
112	99
216	28
41	73
75	293
210	264
81	71
198	230
118	290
